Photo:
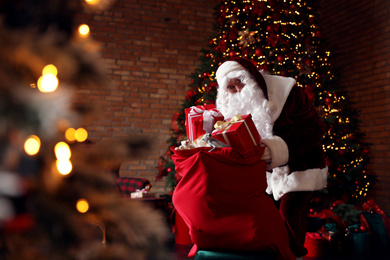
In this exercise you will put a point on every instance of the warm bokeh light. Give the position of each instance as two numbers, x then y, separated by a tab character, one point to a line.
47	83
92	2
32	145
84	30
81	135
62	151
64	166
70	134
50	69
82	205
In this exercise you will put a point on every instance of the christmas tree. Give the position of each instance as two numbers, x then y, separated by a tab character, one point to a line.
58	197
283	38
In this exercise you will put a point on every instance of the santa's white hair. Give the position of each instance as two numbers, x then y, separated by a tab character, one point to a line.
250	100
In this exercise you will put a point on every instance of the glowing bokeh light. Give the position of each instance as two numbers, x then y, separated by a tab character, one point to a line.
81	135
32	145
70	134
92	2
64	166
50	69
84	30
62	151
47	83
82	205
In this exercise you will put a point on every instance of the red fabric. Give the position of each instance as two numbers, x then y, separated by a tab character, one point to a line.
223	212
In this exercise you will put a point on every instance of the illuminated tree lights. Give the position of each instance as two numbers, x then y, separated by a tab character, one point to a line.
282	37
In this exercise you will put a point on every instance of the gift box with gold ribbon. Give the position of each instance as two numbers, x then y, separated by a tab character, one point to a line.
239	133
200	120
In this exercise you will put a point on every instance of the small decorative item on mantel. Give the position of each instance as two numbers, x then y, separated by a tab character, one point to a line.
143	193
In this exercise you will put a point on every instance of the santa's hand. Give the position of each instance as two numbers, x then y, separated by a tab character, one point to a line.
267	156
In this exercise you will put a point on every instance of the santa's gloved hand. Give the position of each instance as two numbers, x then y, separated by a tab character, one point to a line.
267	156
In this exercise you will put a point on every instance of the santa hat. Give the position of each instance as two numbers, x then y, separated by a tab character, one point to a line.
237	64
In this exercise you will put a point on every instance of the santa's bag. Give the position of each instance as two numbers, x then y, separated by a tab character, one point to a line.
222	199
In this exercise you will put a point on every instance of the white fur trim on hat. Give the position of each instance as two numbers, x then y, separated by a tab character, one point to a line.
226	68
281	182
279	151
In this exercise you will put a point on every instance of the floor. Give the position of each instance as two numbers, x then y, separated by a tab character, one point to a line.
181	251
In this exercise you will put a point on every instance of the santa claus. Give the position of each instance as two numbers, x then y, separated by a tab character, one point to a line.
291	130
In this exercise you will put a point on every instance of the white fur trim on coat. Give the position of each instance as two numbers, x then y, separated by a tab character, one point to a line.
278	88
279	151
281	182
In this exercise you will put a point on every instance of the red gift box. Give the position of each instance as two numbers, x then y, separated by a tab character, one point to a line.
200	120
314	243
239	132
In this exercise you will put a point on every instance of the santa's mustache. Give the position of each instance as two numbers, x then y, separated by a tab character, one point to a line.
249	101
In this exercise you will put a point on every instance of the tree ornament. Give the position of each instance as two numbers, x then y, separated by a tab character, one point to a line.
247	8
280	58
232	54
258	52
246	37
341	151
328	101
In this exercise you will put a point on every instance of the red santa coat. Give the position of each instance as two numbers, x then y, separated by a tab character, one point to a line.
298	162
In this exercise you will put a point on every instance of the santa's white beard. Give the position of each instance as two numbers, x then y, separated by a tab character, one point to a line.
249	101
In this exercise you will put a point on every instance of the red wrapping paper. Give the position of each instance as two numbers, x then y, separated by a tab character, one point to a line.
222	199
241	134
200	120
314	243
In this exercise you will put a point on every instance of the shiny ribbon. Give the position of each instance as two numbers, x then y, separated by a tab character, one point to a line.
225	125
207	116
222	125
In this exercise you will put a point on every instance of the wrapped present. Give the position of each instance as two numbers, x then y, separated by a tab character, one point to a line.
358	241
239	132
200	120
314	243
142	194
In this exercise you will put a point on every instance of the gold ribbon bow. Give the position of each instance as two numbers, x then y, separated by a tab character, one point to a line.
221	125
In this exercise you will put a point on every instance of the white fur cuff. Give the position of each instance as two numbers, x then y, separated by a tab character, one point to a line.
279	151
281	182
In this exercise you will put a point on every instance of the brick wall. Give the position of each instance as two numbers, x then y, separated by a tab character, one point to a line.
150	47
358	33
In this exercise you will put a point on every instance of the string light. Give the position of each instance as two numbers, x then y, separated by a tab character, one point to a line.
62	151
70	134
32	145
48	82
64	166
63	154
84	30
81	135
82	205
92	2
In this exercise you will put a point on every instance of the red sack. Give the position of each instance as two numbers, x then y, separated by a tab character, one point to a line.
222	199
